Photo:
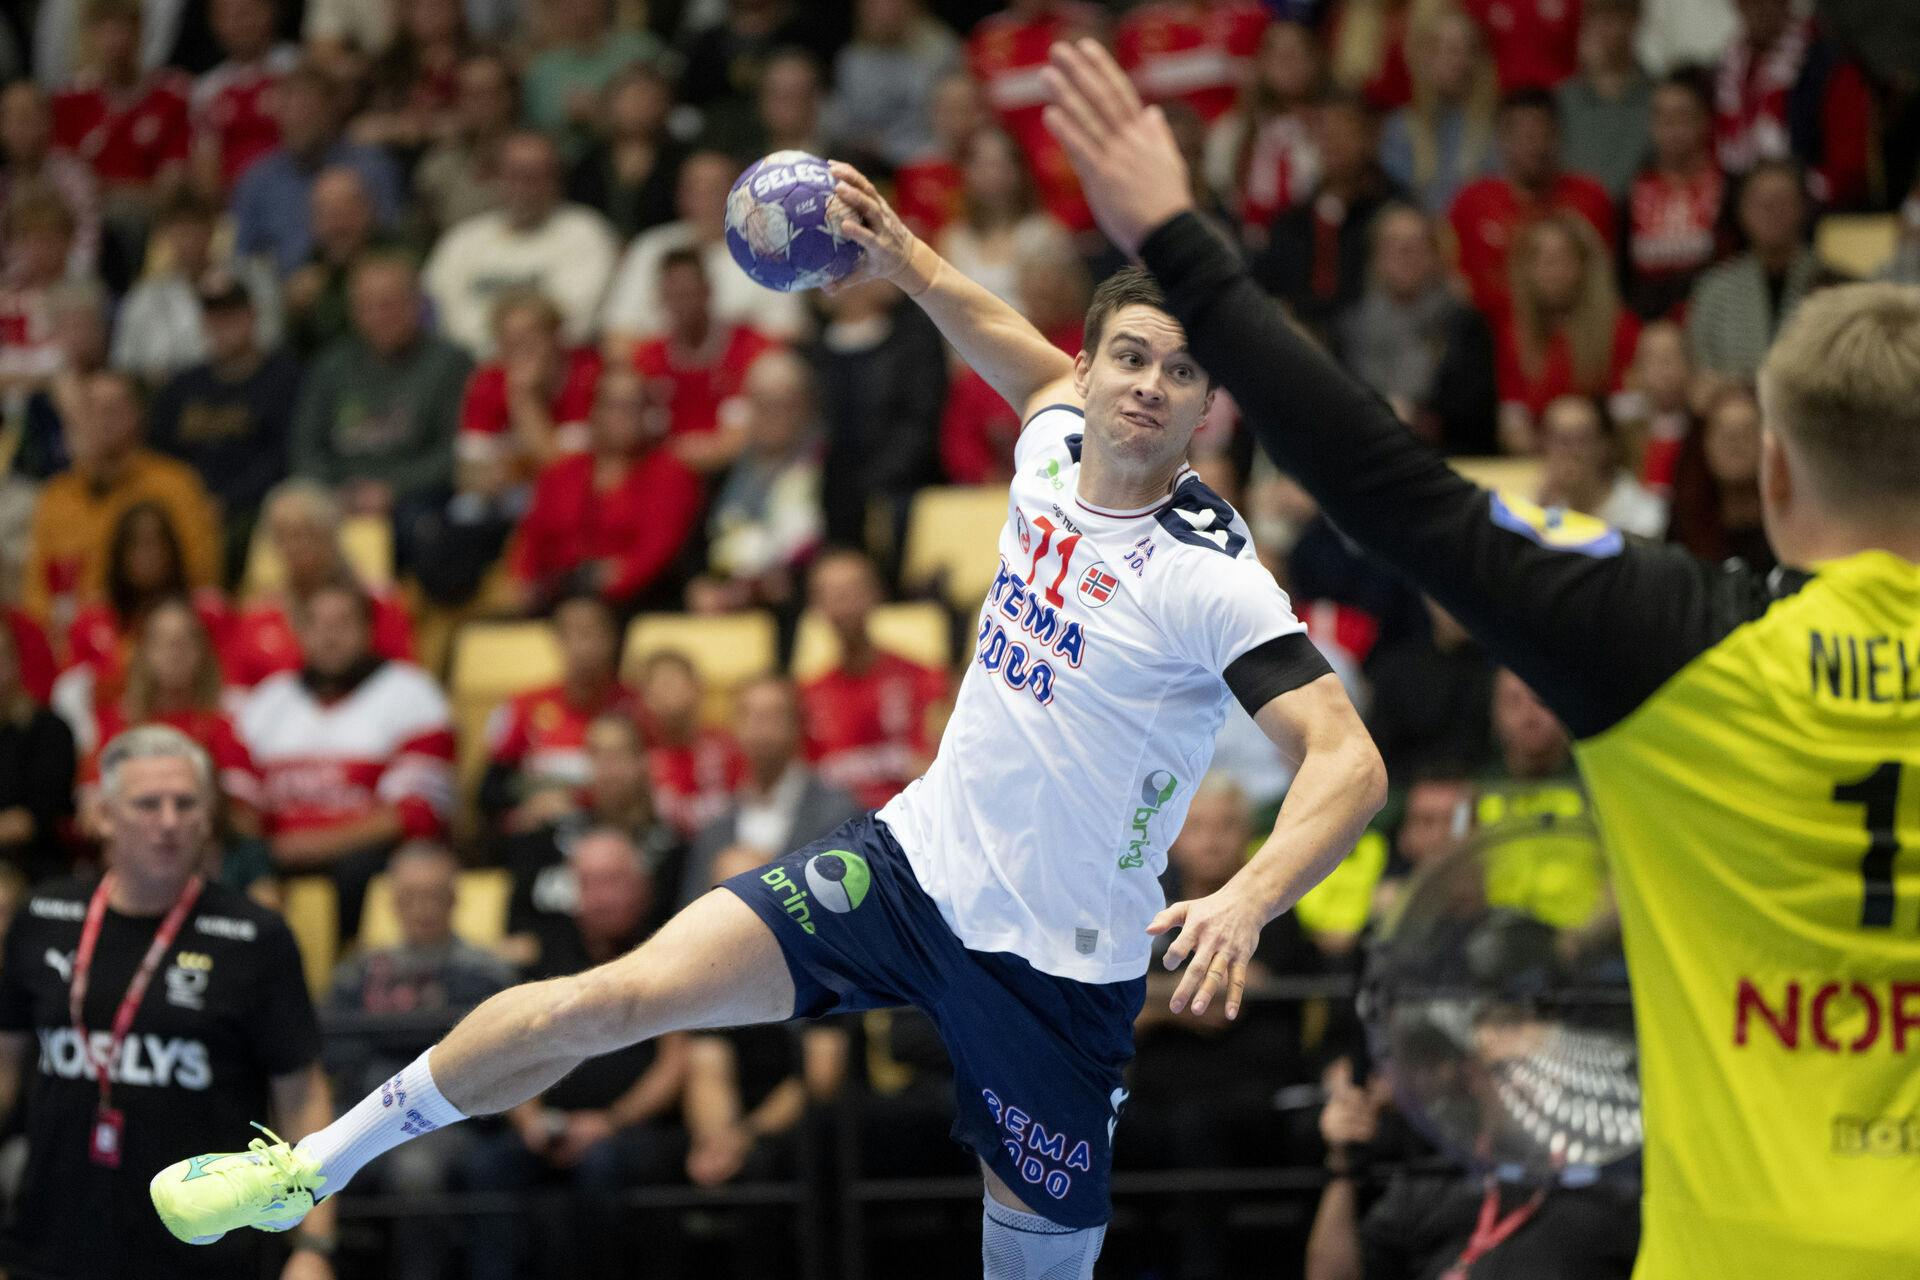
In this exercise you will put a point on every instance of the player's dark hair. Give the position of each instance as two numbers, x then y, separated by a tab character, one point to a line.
343	584
1696	81
1128	287
1530	99
684	256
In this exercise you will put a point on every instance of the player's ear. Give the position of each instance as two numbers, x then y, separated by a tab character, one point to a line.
1082	373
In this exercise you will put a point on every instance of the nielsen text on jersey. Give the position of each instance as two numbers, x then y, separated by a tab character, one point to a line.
1877	668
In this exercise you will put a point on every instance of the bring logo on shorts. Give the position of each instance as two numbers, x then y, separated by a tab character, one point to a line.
837	880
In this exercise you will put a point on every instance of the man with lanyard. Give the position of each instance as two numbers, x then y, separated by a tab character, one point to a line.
163	1010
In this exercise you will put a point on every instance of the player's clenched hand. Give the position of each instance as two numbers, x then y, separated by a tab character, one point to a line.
1129	165
1219	932
890	249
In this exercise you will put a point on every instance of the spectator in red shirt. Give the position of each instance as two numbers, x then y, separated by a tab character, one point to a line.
1565	332
1368	40
1716	482
1675	208
926	189
1192	51
615	519
173	678
537	741
978	428
1535	43
302	520
36	236
867	717
525	409
1658	406
145	567
32	653
1487	214
695	768
356	751
529	405
698	366
1006	52
1261	157
34	164
233	118
135	129
1784	90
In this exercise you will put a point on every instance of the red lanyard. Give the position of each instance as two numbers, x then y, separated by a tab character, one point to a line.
130	1003
1488	1234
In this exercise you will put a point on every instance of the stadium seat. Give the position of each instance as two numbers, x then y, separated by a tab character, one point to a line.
312	911
1858	244
479	910
952	540
920	631
1519	477
366	541
726	649
492	661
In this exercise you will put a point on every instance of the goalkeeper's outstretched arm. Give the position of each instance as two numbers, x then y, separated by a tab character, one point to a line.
999	343
1592	620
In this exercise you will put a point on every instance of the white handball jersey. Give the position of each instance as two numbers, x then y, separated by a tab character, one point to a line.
1087	715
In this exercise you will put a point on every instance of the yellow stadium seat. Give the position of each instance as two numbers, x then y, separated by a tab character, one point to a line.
492	661
726	649
952	540
366	541
1518	477
919	631
1858	244
312	911
479	910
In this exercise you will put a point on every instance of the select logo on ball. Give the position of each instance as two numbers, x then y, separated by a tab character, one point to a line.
838	880
783	223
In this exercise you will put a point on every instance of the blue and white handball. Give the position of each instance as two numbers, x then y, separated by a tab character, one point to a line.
783	223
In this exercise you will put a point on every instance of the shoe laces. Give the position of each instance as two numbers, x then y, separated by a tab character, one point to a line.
281	1157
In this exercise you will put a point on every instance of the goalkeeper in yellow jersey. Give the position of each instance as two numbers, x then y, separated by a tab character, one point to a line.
1751	742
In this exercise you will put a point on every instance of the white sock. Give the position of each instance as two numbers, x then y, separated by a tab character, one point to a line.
400	1110
1025	1246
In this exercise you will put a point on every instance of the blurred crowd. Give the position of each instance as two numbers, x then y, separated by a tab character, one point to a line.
453	272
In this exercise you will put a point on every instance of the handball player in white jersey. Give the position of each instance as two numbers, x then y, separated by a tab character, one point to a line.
1011	893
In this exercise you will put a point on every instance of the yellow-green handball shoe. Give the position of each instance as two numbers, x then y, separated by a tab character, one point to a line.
269	1187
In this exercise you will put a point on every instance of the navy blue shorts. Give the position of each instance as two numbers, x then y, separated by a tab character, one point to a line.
1038	1060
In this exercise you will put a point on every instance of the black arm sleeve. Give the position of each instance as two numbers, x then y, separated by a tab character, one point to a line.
1274	667
1594	627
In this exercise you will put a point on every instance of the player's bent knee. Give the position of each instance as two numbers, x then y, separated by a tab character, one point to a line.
1025	1246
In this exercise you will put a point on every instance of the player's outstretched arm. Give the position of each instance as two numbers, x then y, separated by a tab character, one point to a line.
1593	621
1339	786
999	343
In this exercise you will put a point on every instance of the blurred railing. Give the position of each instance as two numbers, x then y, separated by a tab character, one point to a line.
830	1191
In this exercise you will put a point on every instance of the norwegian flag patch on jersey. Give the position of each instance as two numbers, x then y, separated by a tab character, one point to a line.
1097	585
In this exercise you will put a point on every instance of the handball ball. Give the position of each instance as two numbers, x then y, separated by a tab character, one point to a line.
783	223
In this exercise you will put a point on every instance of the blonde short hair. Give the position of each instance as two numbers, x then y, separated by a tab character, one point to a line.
1842	382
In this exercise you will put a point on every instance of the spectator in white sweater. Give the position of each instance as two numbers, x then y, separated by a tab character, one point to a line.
534	240
633	310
